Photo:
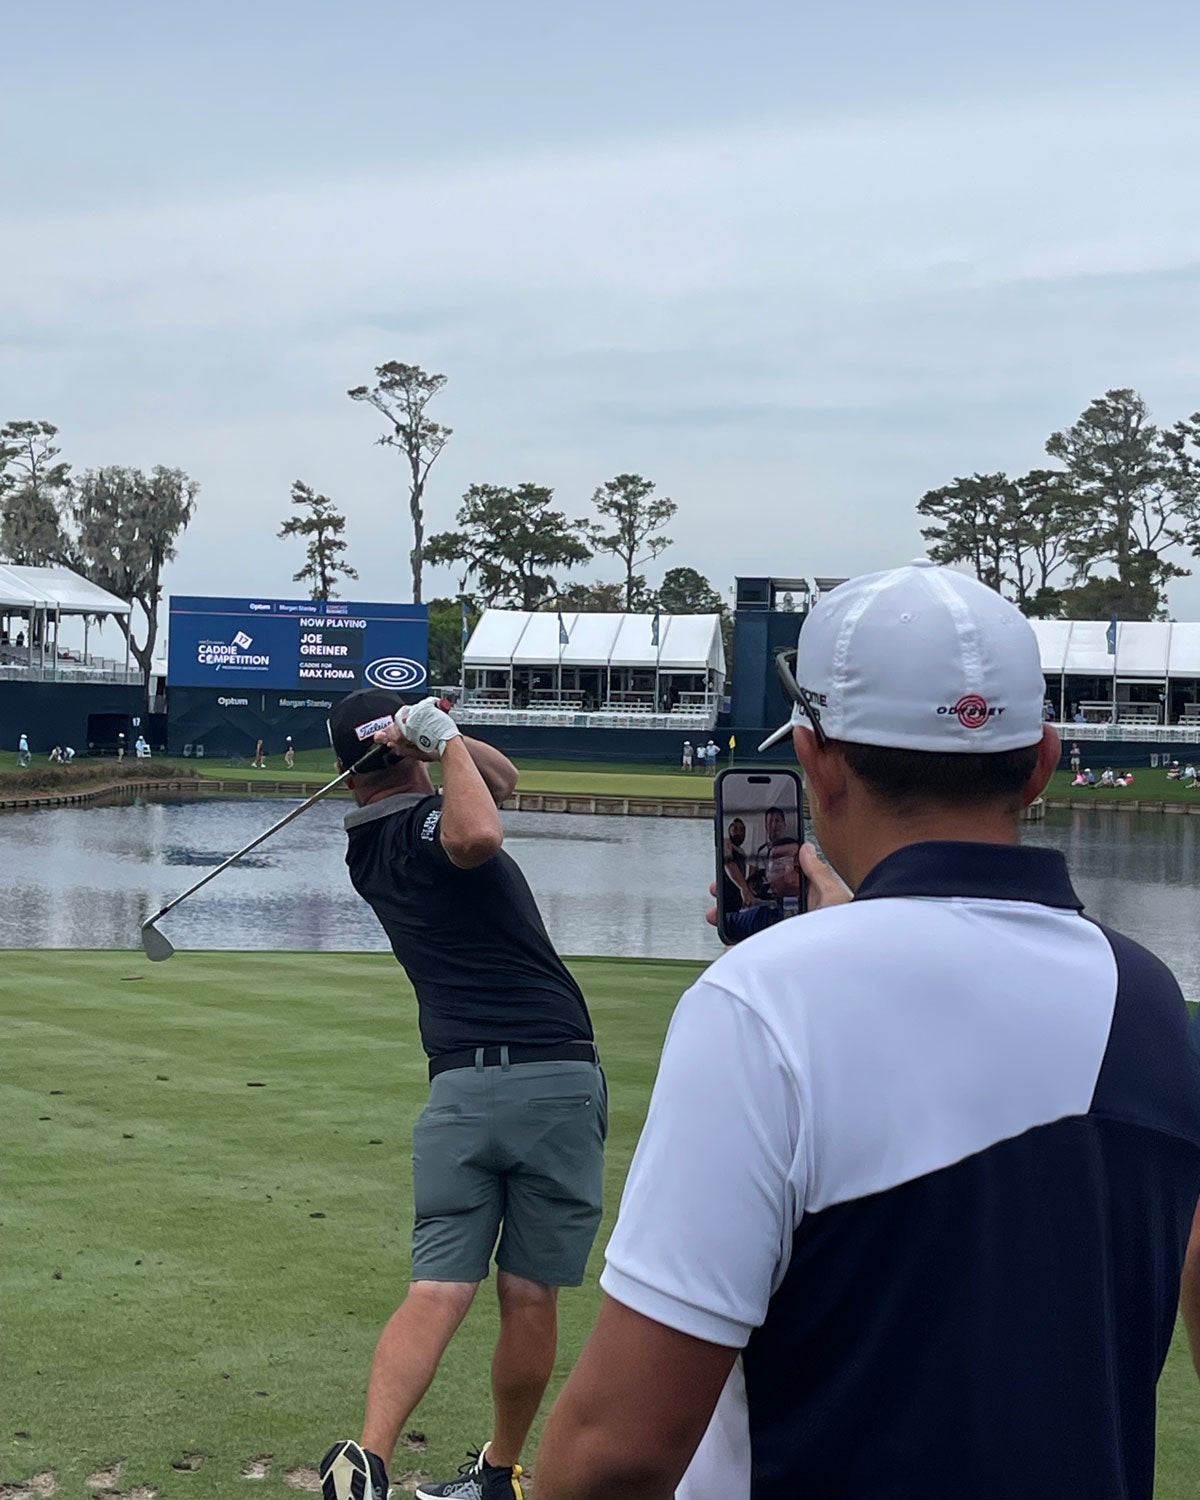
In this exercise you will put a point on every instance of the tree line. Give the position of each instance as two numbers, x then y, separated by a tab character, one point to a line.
117	526
1100	535
512	544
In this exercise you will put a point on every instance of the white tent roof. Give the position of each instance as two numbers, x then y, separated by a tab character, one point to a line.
1053	637
56	588
522	638
1183	655
538	641
1150	649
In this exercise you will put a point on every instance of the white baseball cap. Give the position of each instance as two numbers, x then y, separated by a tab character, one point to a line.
920	658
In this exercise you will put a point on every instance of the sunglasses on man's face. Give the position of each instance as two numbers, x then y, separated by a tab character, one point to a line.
785	665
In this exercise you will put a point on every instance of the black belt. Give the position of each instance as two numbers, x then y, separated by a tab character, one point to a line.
494	1057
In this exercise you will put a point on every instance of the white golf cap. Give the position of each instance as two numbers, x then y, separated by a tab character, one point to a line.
920	658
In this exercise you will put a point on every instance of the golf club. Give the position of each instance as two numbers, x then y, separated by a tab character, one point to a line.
157	947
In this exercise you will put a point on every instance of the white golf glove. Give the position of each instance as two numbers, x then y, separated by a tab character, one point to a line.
427	726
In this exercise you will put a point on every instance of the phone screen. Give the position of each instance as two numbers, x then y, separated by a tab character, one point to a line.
759	827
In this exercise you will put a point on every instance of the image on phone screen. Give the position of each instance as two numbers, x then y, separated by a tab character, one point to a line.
759	827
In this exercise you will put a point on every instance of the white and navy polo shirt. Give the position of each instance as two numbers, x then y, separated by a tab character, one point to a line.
929	1160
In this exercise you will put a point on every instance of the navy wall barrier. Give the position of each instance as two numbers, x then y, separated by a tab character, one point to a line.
757	694
57	713
232	721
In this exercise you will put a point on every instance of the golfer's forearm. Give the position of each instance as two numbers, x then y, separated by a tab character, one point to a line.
470	826
498	772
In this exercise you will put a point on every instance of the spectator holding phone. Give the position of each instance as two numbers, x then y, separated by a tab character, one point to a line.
910	1208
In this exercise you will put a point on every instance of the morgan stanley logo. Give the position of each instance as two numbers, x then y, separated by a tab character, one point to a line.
972	711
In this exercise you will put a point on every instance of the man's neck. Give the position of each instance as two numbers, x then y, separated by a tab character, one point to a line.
416	783
880	836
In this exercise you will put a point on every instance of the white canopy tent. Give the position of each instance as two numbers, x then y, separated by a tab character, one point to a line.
40	597
529	659
1153	674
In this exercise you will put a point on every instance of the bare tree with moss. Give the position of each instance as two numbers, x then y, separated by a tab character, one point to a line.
400	395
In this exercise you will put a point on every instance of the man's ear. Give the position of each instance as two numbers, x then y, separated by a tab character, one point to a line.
824	770
1049	755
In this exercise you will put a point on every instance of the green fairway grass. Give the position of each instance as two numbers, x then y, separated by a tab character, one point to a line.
586	778
167	1289
195	1265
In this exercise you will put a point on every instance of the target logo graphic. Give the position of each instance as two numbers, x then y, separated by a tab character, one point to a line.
399	673
972	711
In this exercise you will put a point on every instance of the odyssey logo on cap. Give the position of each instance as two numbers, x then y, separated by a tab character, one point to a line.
972	711
368	731
875	649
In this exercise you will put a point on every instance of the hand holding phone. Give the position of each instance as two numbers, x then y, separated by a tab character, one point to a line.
759	833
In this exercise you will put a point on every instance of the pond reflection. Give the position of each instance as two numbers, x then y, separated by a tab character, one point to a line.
86	878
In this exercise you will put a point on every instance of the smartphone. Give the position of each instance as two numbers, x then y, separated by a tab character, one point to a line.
759	829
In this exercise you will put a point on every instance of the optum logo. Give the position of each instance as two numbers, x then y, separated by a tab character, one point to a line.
233	703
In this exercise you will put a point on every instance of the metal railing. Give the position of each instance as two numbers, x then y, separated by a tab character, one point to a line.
72	671
1165	734
564	716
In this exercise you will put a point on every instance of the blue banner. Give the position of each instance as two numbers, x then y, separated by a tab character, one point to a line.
300	644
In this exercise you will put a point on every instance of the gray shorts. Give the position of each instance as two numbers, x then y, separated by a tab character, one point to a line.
515	1153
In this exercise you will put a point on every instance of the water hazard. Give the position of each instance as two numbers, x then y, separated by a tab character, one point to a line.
86	878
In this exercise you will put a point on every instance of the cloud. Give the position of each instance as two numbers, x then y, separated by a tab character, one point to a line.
828	315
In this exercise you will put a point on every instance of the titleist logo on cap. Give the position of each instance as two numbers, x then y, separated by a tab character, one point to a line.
368	731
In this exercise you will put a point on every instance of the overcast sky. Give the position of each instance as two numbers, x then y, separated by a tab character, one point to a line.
796	263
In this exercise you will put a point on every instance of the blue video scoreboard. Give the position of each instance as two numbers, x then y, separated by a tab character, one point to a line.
296	644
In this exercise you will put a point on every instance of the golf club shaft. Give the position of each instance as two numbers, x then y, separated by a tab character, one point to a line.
359	765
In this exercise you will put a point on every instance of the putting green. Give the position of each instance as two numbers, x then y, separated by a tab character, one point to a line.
207	1205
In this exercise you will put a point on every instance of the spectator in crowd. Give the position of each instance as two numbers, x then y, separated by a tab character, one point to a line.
23	756
1075	759
289	755
686	759
260	759
1173	771
68	755
1106	777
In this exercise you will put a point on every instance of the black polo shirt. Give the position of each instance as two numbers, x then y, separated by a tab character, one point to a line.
471	941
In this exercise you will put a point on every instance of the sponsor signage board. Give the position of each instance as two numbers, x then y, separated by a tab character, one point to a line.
306	646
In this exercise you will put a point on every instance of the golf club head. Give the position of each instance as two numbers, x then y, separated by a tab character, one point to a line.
154	945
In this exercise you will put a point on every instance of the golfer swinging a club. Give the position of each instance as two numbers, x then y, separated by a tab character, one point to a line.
508	1153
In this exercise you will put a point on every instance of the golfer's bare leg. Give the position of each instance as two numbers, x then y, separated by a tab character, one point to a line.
523	1362
407	1355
